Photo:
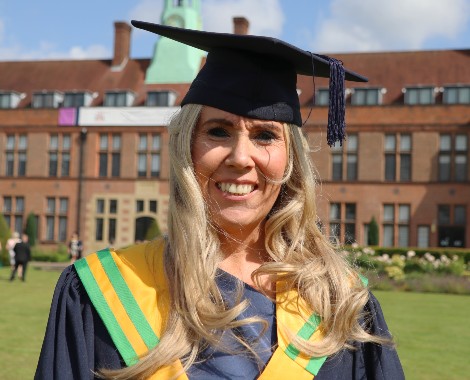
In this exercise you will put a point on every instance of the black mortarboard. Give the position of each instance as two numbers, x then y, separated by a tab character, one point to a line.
256	76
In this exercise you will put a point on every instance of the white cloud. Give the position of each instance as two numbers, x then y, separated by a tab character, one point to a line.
48	51
365	25
265	16
147	10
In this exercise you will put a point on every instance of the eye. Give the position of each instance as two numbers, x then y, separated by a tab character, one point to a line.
217	132
266	136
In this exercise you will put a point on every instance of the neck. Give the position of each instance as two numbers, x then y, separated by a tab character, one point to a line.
243	254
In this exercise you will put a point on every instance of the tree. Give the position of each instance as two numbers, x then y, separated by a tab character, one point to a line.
5	234
153	231
373	234
31	229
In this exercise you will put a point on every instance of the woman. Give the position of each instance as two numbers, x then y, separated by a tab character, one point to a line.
245	285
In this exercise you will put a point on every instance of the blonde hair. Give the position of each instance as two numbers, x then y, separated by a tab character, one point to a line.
301	256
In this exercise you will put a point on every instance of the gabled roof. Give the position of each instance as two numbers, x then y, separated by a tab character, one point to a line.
390	70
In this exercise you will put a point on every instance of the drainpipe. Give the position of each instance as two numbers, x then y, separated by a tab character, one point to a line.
83	133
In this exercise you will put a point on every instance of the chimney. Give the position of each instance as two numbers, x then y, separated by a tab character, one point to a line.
122	43
240	25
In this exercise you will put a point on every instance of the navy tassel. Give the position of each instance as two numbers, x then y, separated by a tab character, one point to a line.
336	113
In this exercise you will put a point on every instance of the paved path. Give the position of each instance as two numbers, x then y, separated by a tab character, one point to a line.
47	265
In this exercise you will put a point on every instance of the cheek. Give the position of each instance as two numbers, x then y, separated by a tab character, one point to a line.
276	163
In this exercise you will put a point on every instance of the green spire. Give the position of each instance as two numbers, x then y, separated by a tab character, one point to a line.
173	62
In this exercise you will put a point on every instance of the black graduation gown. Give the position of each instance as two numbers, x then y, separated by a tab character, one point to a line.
77	343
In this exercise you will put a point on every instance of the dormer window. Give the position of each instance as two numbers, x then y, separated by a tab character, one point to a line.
119	98
366	96
419	95
47	99
322	97
9	99
160	99
77	99
458	94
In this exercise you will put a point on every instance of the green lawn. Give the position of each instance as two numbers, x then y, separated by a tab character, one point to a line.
431	330
24	308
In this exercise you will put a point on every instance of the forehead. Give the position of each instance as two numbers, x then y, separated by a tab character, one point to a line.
211	113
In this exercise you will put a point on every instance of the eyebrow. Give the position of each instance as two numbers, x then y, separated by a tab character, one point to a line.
228	123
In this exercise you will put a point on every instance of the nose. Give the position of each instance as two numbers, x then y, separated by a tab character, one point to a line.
241	153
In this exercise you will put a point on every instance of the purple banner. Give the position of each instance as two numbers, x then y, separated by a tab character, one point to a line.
68	116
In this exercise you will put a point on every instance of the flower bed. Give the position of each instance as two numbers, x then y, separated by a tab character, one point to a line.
440	271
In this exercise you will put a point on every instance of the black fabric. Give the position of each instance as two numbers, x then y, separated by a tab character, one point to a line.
76	342
247	75
22	252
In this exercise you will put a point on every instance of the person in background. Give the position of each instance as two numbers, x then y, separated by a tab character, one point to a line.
245	285
10	245
22	257
75	248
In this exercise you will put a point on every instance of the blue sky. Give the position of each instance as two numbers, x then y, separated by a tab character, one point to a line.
53	29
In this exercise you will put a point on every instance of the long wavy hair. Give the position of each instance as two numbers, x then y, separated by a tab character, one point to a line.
300	254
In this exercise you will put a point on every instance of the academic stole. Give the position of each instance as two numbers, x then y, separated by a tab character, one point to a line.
129	291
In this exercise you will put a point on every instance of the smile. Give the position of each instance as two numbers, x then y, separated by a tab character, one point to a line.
234	189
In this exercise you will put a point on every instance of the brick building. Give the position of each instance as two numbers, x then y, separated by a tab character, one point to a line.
83	144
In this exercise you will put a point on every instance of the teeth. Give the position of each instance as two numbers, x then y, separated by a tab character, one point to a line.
232	188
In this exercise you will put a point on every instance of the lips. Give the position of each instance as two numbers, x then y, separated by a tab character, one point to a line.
234	188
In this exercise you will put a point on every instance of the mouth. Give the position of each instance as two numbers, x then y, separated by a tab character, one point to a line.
235	189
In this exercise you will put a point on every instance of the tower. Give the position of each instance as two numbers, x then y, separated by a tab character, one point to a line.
173	62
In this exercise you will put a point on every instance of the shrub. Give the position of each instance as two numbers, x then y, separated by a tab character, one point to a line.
31	229
5	234
373	233
153	231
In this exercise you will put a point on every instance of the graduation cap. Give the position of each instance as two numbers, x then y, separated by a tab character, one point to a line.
256	76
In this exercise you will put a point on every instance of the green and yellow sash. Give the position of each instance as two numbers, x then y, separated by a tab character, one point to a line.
131	296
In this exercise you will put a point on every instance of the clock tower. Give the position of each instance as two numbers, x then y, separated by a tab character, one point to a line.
173	62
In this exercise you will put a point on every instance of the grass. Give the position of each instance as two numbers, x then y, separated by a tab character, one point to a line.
24	310
431	330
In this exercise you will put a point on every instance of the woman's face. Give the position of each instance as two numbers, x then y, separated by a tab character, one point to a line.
234	157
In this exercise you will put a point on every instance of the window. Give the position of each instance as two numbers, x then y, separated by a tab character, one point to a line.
405	157
59	154
345	154
7	210
322	97
390	157
139	206
403	225
106	220
153	206
351	149
160	99
350	223
366	96
56	215
15	155
388	225
453	155
423	236
419	95
457	94
47	99
109	155
77	99
9	99
451	221
398	148
148	156
335	221
118	98
340	222
337	158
